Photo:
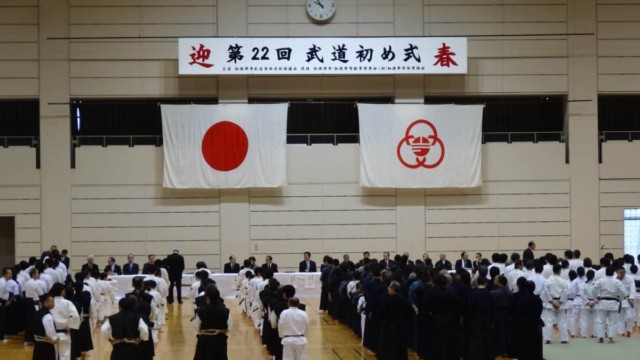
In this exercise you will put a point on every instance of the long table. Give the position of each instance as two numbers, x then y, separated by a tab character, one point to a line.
306	284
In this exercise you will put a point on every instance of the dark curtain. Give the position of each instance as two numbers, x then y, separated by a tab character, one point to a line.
20	118
619	113
122	117
322	119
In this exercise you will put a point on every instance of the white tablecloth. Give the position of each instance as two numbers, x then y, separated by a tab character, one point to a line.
306	284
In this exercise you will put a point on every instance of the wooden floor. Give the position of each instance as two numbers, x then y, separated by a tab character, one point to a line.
327	338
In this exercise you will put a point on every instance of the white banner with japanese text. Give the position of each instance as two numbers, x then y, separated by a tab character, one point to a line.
224	146
322	56
420	146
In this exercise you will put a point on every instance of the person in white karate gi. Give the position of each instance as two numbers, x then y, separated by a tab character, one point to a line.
554	298
627	319
609	291
575	311
292	327
65	317
589	310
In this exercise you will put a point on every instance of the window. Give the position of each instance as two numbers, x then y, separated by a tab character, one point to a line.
516	118
632	231
121	121
19	122
323	121
619	117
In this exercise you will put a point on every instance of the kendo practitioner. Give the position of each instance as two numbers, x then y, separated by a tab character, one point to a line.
145	302
394	313
372	293
212	322
126	330
44	331
442	311
481	312
81	341
526	319
33	290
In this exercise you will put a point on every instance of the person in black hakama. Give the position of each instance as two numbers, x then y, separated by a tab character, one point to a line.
372	293
126	330
394	313
81	341
44	331
442	310
212	322
481	312
526	318
146	350
326	270
502	299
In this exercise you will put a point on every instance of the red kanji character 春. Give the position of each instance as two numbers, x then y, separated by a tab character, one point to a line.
445	56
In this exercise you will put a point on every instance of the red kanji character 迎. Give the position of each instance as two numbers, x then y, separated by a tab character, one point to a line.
200	56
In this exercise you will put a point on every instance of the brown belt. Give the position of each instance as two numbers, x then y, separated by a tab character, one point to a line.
212	332
125	341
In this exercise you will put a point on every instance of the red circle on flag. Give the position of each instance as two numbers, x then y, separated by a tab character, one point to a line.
225	146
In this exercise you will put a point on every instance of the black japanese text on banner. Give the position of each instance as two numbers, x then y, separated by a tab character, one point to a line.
322	56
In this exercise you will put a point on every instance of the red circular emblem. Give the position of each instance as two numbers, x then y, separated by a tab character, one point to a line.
225	146
421	146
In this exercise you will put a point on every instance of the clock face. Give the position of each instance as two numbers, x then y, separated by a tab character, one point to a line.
321	10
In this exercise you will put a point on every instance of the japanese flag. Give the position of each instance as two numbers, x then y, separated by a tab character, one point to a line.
420	146
224	146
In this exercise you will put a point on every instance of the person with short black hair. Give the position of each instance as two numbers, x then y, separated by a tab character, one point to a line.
112	268
609	291
232	267
464	262
394	312
554	297
66	317
575	261
292	327
44	331
212	323
151	262
269	265
627	318
126	330
527	254
9	290
307	265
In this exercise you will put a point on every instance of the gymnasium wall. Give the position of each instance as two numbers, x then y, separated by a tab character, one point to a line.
112	203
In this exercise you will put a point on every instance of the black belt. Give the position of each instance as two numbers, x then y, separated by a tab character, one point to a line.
613	299
555	298
570	299
64	331
609	298
293	336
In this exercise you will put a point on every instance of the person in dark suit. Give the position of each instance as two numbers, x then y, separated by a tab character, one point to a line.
307	265
47	253
112	268
347	263
64	258
477	261
130	268
443	263
527	254
175	267
149	264
269	265
386	262
232	267
463	262
91	267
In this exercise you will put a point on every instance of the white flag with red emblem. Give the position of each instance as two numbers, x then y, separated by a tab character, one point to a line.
420	146
224	146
